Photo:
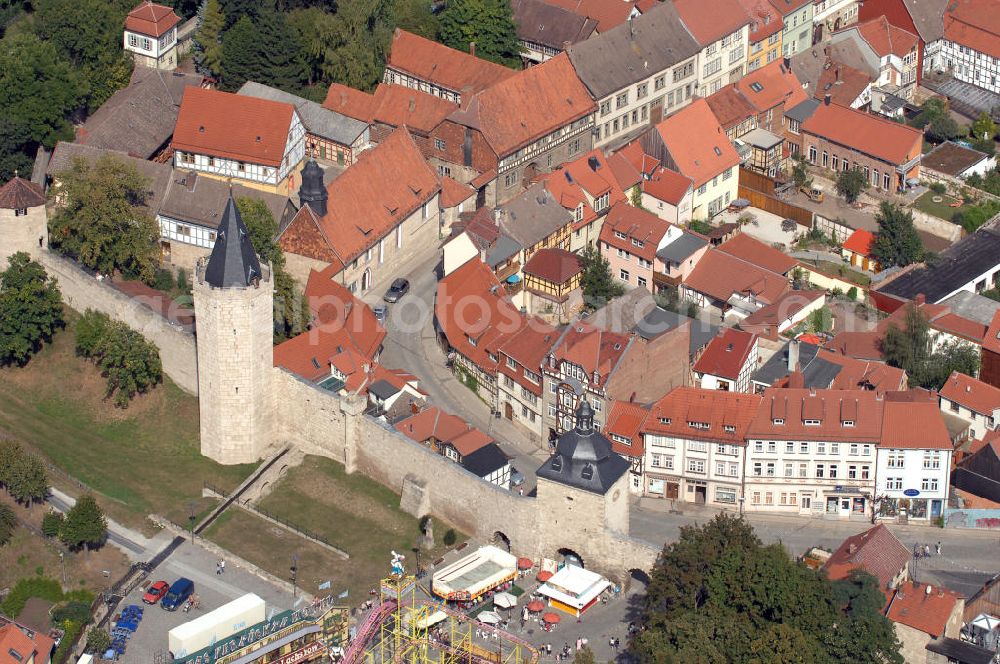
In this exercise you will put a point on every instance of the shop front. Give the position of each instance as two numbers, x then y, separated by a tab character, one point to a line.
910	507
663	486
845	502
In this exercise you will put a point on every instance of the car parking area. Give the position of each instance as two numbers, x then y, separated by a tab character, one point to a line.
149	640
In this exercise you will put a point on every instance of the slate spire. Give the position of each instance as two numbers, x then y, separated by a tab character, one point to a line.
233	263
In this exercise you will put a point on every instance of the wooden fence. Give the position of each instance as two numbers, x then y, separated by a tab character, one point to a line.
759	199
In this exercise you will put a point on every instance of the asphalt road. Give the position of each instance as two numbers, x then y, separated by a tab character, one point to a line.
411	345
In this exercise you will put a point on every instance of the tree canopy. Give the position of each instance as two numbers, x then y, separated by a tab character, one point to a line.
487	23
597	282
85	525
30	309
896	241
909	347
102	220
718	594
851	183
8	521
128	360
22	474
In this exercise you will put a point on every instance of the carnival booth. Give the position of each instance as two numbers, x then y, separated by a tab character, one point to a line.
574	589
475	577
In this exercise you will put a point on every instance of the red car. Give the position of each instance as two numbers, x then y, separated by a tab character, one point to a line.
156	592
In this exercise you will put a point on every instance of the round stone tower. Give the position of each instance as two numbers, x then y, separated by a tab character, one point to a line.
234	301
23	221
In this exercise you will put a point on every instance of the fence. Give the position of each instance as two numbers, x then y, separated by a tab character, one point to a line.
759	190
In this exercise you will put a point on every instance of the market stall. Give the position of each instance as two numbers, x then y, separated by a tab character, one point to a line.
476	575
574	589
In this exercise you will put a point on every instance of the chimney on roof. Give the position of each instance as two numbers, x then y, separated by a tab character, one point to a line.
793	354
929	590
796	381
594	163
472	49
836	74
920	299
566	45
826	99
852	548
788	63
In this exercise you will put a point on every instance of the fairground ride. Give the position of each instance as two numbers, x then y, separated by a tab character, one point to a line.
405	628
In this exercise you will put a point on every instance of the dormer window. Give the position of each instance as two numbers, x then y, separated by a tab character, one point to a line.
472	341
620	235
21	212
812	423
729	428
848	423
664	420
638	243
588	472
698	425
778	420
578	213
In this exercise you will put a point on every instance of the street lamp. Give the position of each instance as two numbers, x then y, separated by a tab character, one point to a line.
295	570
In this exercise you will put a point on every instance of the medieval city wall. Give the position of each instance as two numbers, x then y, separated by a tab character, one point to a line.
82	291
308	417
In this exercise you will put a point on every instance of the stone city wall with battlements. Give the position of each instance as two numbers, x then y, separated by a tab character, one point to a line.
322	423
82	291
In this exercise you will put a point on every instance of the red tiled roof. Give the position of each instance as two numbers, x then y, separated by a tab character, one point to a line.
863	345
725	18
697	143
150	19
787	7
860	242
830	407
766	320
625	419
454	192
667	185
719	275
607	14
757	253
350	102
593	349
636	224
764	19
365	203
876	551
334	308
886	38
590	175
636	156
726	354
890	141
510	113
625	172
19	194
728	414
865	374
991	340
843	83
917	425
472	303
393	105
528	347
223	124
971	393
445	428
554	265
974	24
777	83
730	107
443	66
928	612
15	639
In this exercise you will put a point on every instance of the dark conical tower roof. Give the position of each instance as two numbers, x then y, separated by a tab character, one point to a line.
233	263
584	457
312	192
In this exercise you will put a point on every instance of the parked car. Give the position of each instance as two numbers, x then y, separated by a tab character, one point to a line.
397	290
381	313
178	594
156	592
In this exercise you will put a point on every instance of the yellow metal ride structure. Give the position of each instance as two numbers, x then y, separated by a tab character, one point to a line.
413	630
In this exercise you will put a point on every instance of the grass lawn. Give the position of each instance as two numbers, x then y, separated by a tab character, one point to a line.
140	460
353	512
926	203
841	270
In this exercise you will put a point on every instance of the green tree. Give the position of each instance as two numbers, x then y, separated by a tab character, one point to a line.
983	129
102	219
584	656
88	33
98	640
851	183
821	320
38	90
800	171
487	23
282	54
241	61
129	362
28	482
291	316
208	40
91	330
10	453
896	241
955	356
52	523
597	283
8	522
30	309
908	347
415	16
85	524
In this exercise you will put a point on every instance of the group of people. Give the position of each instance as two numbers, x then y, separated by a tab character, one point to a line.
220	567
924	550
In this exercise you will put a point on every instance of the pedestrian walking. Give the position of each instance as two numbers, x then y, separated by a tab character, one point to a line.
618	644
223	566
937	548
927	550
579	643
218	568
